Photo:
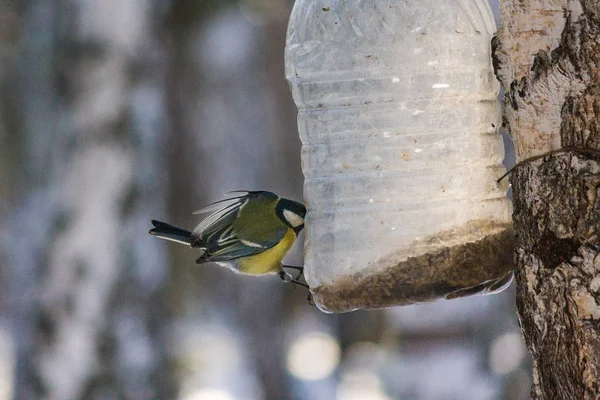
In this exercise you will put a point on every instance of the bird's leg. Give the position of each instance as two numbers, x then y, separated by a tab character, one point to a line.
296	282
299	269
284	276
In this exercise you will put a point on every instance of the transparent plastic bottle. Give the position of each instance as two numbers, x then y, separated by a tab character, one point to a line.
398	116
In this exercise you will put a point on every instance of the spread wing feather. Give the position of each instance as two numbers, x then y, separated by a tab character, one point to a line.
216	236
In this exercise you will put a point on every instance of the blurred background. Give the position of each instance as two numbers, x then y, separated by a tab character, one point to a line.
115	112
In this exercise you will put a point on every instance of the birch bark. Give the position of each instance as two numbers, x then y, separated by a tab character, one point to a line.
547	55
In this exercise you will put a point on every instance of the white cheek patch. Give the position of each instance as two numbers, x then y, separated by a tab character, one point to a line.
294	219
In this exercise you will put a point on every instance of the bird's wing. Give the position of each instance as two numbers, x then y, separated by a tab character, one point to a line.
222	204
231	250
217	236
214	227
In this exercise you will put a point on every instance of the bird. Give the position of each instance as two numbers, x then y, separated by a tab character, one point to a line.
249	233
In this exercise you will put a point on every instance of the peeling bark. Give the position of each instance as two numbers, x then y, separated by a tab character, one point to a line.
546	55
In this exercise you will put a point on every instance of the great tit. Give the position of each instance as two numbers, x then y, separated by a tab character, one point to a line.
249	233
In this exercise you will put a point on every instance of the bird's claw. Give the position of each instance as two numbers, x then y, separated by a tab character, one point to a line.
284	276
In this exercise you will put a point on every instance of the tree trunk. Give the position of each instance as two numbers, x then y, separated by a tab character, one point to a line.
547	55
85	282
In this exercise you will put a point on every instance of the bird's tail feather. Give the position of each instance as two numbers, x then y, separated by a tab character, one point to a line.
171	232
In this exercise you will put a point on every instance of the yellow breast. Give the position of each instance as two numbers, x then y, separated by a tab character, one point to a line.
268	261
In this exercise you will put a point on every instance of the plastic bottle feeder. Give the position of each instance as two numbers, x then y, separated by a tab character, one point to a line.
398	116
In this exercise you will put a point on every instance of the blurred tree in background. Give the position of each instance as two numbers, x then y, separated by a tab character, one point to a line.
86	118
115	112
